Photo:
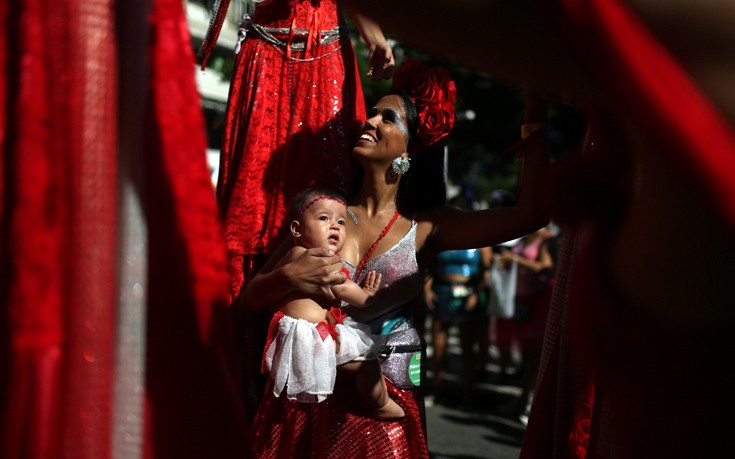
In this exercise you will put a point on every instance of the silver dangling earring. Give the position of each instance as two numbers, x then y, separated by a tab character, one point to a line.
400	165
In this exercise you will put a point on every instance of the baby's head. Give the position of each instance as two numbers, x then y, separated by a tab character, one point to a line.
318	217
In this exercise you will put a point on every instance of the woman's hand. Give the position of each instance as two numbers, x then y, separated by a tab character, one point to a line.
311	273
314	272
382	63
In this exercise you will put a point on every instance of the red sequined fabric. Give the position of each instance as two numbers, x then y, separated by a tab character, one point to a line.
290	124
339	427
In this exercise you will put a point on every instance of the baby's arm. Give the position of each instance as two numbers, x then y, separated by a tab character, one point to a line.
358	296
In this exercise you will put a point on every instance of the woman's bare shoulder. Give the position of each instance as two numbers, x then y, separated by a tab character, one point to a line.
428	221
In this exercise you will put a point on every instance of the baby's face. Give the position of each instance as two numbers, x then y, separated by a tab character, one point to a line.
323	225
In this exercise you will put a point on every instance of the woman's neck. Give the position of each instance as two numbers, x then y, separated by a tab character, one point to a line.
376	195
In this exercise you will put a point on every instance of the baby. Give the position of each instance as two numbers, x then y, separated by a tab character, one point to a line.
313	335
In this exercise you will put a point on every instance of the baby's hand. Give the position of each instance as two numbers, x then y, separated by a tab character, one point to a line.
371	284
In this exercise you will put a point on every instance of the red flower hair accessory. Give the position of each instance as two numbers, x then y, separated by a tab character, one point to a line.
433	92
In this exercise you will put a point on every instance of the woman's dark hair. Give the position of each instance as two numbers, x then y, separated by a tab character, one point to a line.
424	186
301	200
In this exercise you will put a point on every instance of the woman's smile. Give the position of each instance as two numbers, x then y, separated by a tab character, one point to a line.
385	127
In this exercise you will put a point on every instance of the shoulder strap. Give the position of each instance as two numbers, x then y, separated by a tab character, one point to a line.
217	14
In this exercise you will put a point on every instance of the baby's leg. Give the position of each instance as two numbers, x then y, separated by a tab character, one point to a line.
371	386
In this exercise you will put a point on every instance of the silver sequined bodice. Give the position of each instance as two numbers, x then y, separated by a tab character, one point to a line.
401	279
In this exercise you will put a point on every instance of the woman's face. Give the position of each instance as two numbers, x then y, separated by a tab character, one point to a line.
385	133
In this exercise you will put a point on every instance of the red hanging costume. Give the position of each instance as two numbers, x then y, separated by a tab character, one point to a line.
99	106
614	381
292	119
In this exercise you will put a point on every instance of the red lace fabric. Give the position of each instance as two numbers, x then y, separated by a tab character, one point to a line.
289	125
339	427
613	381
61	101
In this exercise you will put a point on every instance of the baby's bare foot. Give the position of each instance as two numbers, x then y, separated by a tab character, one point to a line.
391	410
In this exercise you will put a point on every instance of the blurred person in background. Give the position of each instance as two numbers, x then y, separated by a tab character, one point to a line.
534	261
456	294
536	302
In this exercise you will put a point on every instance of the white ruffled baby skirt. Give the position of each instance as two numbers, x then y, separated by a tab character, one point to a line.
305	365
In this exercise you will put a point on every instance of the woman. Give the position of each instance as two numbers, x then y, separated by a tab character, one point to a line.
525	329
390	231
633	324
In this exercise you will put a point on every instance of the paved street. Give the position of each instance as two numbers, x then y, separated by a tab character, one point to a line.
458	434
473	429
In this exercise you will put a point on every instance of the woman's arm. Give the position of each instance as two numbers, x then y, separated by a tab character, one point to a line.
454	229
514	40
382	63
517	41
312	273
509	39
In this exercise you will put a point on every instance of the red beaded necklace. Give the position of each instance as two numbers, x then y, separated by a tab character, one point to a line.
370	251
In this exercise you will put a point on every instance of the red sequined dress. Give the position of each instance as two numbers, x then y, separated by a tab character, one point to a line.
292	119
342	425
